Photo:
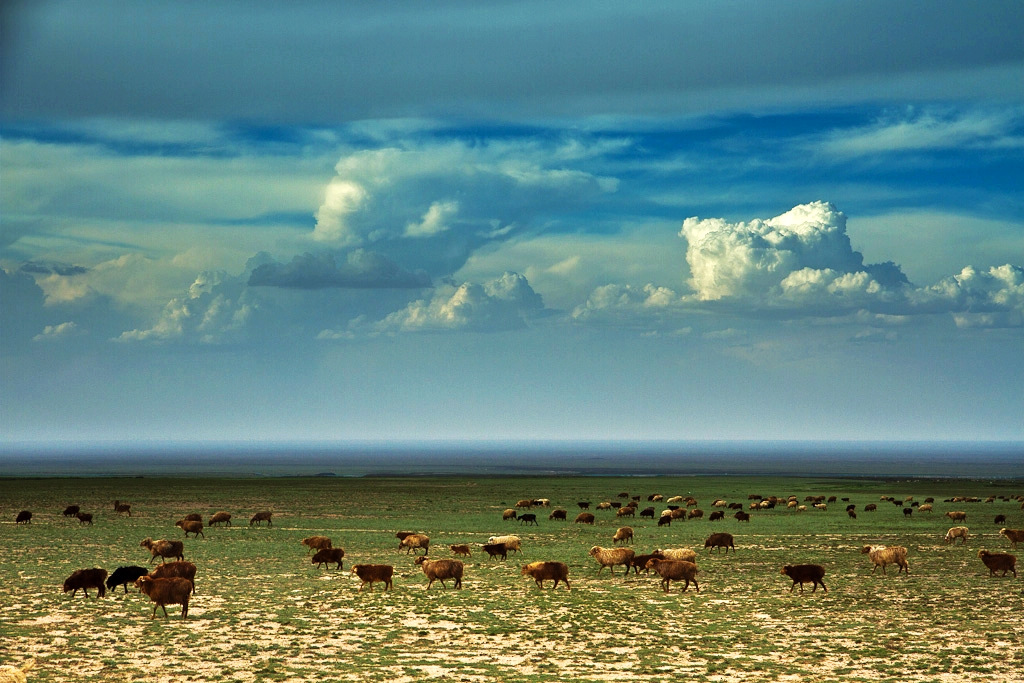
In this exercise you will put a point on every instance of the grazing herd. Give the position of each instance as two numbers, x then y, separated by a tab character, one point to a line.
173	582
679	564
170	583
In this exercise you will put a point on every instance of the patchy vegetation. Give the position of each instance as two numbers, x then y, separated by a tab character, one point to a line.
262	612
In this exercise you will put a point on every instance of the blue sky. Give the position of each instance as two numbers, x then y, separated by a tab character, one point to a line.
512	221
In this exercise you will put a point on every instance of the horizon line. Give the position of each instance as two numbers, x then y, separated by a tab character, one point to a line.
47	444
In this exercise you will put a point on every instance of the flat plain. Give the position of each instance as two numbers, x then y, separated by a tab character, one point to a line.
263	612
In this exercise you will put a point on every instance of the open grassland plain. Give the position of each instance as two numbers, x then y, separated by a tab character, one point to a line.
263	612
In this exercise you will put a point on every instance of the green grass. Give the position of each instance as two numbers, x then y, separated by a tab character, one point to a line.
263	612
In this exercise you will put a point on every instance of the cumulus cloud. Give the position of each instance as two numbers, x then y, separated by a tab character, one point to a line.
45	307
801	264
134	281
614	302
305	300
61	282
729	260
361	269
810	287
979	298
50	332
214	310
342	198
505	303
516	290
441	200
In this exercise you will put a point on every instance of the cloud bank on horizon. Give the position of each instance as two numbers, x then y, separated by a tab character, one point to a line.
401	241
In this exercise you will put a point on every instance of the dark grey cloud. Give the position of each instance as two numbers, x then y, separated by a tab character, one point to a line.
361	269
316	61
52	268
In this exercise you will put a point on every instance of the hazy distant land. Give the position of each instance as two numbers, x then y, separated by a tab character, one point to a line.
861	459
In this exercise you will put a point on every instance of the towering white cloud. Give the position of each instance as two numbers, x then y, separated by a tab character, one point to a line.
443	199
801	264
751	259
341	199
